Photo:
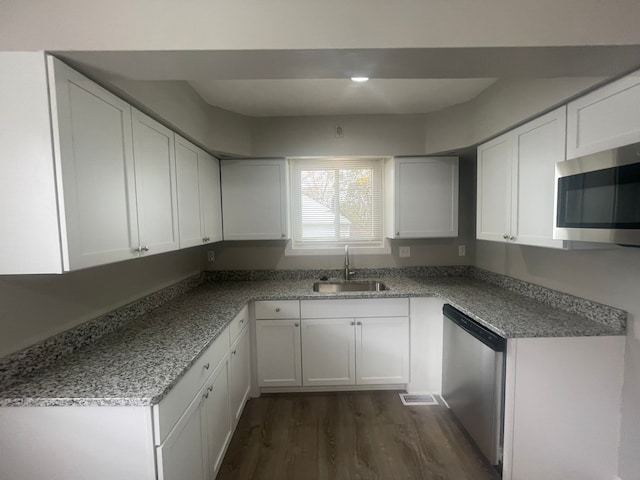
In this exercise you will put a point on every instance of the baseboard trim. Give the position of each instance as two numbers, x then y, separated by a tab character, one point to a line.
329	388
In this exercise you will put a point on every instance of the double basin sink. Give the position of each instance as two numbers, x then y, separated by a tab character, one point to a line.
336	286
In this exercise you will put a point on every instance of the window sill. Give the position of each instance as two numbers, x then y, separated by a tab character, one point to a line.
289	251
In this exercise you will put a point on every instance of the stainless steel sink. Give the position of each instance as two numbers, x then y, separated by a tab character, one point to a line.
331	286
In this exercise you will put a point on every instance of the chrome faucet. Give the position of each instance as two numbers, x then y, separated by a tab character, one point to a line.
347	271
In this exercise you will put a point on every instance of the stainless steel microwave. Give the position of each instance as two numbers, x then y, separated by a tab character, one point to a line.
598	197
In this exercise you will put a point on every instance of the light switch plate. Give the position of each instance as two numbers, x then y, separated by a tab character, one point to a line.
462	250
211	256
405	251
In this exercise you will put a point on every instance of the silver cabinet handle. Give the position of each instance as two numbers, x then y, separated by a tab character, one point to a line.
145	249
352	323
358	323
137	250
206	395
512	237
242	321
283	235
210	388
205	239
505	236
397	233
206	366
277	309
296	324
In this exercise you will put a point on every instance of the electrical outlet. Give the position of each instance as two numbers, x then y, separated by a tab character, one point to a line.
211	256
405	251
462	250
339	131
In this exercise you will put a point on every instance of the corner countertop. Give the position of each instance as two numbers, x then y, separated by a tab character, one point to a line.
138	364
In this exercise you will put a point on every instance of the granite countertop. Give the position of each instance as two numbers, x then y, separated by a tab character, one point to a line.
138	364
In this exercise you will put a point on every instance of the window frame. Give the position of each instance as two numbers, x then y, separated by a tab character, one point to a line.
332	247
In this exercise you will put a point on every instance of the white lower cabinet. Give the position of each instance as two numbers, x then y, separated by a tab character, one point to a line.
382	350
183	437
278	353
195	447
217	418
183	455
240	373
355	351
562	408
335	343
328	351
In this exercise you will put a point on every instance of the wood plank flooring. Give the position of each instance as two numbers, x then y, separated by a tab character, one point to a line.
350	435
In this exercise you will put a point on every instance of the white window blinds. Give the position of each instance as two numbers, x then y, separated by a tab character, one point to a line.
336	202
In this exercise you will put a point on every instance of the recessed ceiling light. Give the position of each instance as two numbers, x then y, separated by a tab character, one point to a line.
359	79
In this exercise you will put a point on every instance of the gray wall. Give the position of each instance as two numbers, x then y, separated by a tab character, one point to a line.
503	105
34	307
363	135
179	106
610	276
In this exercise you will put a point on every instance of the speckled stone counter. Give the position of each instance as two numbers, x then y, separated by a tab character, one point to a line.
139	362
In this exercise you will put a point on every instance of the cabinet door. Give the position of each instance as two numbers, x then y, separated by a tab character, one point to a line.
254	199
217	418
426	197
94	153
155	167
540	144
182	456
328	351
606	118
382	350
211	209
278	352
240	363
189	217
494	189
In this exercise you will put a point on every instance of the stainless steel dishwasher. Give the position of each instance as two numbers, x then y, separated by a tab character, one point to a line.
473	380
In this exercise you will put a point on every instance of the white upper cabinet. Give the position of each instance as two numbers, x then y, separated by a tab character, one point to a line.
87	179
188	193
211	209
606	118
96	189
495	161
155	174
516	182
421	198
254	199
198	195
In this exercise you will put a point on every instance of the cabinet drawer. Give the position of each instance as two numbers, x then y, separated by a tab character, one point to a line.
240	321
274	309
171	408
374	307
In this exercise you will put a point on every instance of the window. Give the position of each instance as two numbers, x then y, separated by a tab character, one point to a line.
336	202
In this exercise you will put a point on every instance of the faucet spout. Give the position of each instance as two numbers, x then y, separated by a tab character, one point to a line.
347	272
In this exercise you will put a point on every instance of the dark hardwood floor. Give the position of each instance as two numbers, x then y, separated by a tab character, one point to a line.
351	435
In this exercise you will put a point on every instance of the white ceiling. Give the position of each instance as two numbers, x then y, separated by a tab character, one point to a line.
277	98
315	82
